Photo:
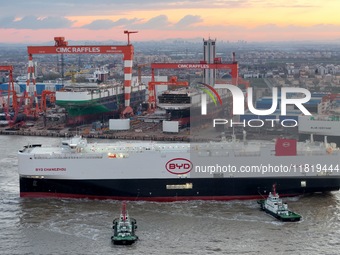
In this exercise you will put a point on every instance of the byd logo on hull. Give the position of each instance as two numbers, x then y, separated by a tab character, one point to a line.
239	100
179	166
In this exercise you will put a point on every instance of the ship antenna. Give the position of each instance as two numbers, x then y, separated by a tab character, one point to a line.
124	210
274	189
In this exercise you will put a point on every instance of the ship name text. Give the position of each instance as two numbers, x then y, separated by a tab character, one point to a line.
50	169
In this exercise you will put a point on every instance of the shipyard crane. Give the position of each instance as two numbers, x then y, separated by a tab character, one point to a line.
62	47
217	64
44	95
10	88
72	73
139	69
128	34
152	93
11	103
233	67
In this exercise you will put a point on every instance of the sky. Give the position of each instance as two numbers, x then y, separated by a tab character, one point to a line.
37	21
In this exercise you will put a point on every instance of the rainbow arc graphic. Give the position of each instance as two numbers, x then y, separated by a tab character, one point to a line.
211	92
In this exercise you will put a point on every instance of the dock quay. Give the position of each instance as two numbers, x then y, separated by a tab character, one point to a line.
131	136
139	130
128	135
116	136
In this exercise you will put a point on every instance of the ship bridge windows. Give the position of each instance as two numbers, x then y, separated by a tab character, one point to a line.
174	99
179	186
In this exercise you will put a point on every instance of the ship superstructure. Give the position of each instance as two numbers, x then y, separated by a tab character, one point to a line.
326	124
177	103
181	104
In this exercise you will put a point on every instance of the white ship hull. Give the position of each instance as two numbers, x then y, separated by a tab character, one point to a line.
175	171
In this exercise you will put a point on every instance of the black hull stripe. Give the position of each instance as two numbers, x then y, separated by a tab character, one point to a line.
156	189
154	199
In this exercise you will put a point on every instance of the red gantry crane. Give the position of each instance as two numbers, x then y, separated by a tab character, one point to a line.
61	47
139	71
44	95
9	70
11	101
233	67
152	92
128	34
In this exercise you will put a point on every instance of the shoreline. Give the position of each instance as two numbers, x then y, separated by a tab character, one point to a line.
118	136
131	135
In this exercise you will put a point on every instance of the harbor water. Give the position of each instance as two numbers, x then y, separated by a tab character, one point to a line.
82	226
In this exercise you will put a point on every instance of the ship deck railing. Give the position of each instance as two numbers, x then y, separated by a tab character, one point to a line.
247	154
68	156
311	153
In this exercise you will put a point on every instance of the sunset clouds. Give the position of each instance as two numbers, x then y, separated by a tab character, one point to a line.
252	20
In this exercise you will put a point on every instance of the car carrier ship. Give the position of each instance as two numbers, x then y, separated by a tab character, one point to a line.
160	171
87	101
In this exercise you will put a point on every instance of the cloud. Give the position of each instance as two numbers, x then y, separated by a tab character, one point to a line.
161	22
102	24
188	20
109	7
73	7
158	22
33	22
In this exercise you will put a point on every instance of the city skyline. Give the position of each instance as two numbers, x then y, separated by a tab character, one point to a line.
250	20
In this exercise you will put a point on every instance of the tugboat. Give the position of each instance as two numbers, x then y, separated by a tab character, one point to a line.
275	207
124	229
